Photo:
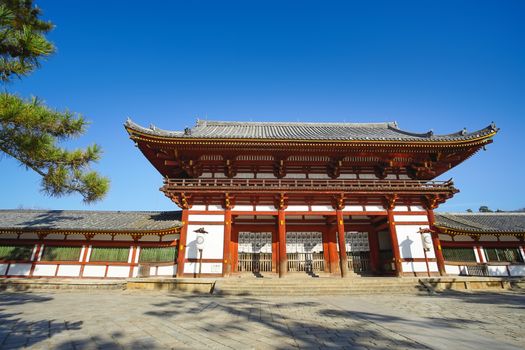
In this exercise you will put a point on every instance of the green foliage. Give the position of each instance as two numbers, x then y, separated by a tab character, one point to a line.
30	131
459	254
484	209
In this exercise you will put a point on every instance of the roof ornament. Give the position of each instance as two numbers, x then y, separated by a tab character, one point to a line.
430	133
187	131
493	126
152	127
463	132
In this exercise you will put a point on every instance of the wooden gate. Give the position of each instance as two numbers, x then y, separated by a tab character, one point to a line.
304	251
359	261
255	252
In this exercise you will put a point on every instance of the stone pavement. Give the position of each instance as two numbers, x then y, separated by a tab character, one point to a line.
151	320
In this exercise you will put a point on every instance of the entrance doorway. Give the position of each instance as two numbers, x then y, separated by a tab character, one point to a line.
304	251
255	252
358	251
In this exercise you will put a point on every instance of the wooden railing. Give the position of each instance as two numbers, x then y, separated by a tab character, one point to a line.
210	184
359	261
305	262
255	262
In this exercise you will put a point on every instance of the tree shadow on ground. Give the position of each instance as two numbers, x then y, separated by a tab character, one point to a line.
512	300
17	332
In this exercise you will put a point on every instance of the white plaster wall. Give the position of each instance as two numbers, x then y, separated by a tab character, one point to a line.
76	238
419	266
3	269
265	176
206	268
297	208
265	208
517	270
374	208
28	235
68	271
127	238
404	177
197	207
348	176
391	177
462	238
508	238
44	270
243	208
9	235
170	270
497	270
94	271
353	208
368	176
417	208
408	218
168	238
19	270
213	242
55	236
295	176
118	271
410	244
149	238
488	238
444	237
215	207
318	176
452	269
206	218
102	238
322	208
400	208
245	175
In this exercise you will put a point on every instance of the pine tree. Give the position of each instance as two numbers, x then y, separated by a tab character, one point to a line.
30	131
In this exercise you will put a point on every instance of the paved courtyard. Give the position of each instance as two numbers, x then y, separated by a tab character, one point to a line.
150	320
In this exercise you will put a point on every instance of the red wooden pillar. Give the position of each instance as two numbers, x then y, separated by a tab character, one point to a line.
436	243
373	241
35	256
332	250
181	257
326	252
395	243
132	262
275	250
281	229
343	259
234	252
227	267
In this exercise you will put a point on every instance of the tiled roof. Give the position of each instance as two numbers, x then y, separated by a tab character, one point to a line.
78	220
482	222
306	131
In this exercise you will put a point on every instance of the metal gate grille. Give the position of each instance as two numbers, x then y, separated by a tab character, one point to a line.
305	262
255	262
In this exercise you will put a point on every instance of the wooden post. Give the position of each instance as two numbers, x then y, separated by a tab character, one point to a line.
283	259
332	250
436	243
343	259
181	257
227	267
373	242
395	243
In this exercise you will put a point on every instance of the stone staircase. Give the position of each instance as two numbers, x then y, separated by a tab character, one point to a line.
304	286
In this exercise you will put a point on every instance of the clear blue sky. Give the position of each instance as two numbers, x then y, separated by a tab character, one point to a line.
440	65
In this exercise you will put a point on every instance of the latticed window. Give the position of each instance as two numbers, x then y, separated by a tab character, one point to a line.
61	253
503	254
459	254
158	254
16	252
114	254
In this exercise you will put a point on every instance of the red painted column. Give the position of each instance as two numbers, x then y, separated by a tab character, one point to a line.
35	258
436	243
281	229
343	259
182	244
395	243
373	241
332	250
227	267
275	250
326	252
